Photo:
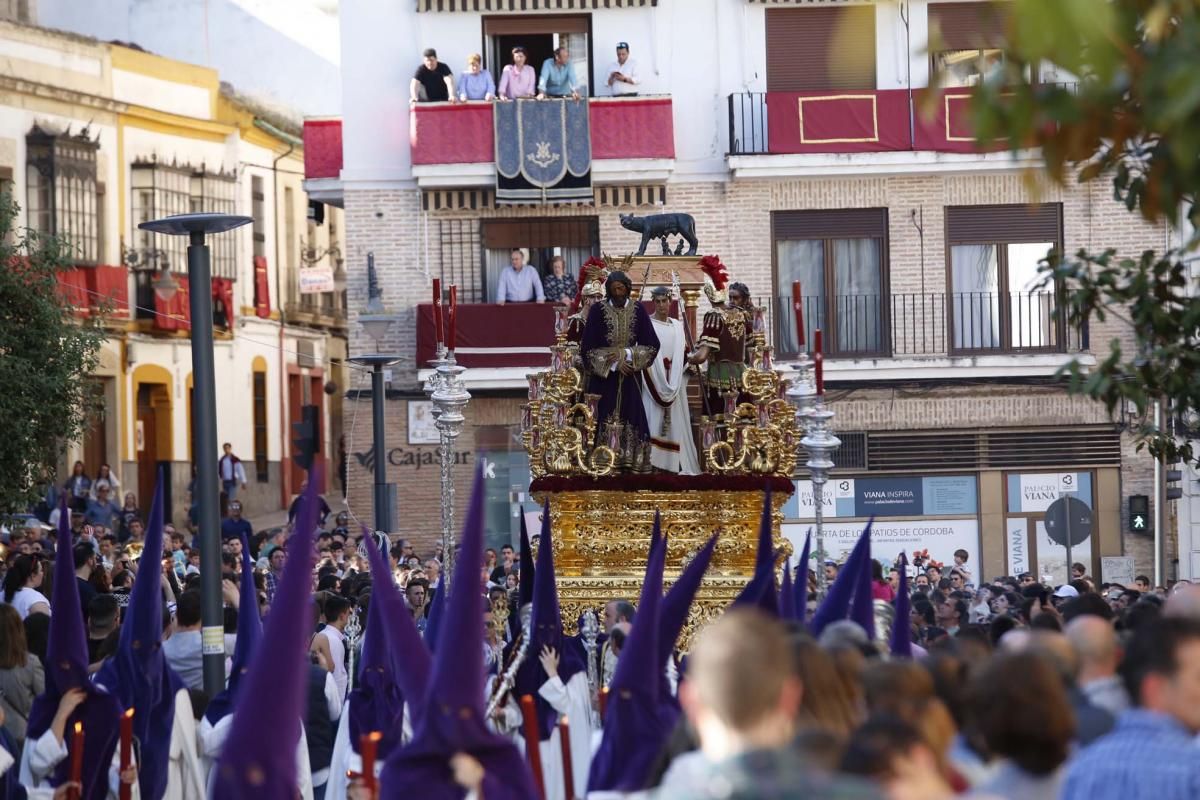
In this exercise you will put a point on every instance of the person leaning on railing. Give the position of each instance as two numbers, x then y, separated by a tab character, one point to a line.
476	83
432	82
518	80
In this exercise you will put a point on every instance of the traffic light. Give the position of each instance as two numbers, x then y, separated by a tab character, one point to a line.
307	441
1139	513
1174	476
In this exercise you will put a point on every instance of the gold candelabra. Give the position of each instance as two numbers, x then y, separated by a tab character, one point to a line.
757	432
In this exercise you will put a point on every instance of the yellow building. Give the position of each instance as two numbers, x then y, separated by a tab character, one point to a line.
96	138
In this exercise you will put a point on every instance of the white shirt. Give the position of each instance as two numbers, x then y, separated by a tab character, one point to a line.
630	70
337	651
26	598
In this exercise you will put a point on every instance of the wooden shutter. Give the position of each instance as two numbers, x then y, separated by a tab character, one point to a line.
967	26
540	233
813	49
1004	224
848	223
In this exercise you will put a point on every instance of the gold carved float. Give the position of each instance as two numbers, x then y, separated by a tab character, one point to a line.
603	495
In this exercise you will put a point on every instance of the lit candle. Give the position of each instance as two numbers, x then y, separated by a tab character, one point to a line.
564	739
437	310
603	702
77	755
798	310
819	361
529	718
126	750
451	317
368	746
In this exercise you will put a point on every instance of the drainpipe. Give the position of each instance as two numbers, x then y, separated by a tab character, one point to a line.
285	488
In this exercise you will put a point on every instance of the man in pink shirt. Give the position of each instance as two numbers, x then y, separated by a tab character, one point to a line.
518	78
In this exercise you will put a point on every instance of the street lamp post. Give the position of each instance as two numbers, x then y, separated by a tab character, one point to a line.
376	321
204	425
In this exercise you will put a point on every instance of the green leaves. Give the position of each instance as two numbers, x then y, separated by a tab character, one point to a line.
46	358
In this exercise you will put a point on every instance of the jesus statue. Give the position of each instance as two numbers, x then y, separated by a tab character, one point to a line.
619	343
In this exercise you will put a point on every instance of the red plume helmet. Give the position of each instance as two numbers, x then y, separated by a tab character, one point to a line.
718	274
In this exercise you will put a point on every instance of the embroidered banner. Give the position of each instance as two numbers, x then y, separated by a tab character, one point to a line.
543	152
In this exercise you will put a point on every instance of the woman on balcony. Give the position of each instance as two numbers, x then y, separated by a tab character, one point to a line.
518	79
476	83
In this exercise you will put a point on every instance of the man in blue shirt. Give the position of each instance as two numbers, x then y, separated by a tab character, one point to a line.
558	77
518	283
102	510
235	523
1152	751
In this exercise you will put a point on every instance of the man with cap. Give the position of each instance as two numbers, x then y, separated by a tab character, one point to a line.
623	73
672	448
619	343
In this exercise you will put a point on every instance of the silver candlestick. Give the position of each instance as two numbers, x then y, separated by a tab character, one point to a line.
353	634
449	398
820	443
802	392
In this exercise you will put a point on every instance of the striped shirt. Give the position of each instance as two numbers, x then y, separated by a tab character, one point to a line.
1148	755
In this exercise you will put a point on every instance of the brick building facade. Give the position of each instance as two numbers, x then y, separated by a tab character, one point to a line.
942	398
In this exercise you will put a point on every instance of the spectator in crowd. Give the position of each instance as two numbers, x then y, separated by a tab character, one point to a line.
1141	583
517	80
79	485
330	641
232	472
276	558
183	649
433	81
558	77
129	512
892	754
21	675
742	696
476	83
21	583
517	283
101	626
622	74
323	509
559	286
85	564
1026	725
1152	751
235	524
102	511
1099	653
106	476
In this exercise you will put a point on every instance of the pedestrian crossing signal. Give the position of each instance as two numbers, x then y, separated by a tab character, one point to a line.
1139	513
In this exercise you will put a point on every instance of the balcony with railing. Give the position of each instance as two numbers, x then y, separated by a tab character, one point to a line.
930	325
866	121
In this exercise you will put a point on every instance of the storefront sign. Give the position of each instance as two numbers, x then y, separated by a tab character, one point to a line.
1034	492
1017	546
315	280
900	496
889	538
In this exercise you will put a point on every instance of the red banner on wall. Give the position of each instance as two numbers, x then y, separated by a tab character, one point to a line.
837	122
262	288
174	314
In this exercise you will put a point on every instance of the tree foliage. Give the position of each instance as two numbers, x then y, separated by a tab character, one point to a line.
1132	118
46	356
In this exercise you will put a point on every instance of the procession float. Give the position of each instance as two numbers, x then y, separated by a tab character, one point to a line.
752	430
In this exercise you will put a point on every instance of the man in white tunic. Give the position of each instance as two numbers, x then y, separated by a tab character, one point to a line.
664	396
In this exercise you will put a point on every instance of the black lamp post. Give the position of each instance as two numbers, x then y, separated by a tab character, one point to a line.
204	428
376	321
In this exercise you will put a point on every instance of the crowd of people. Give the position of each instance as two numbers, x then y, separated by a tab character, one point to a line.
434	80
913	682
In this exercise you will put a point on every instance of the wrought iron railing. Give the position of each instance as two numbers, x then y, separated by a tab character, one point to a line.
929	324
